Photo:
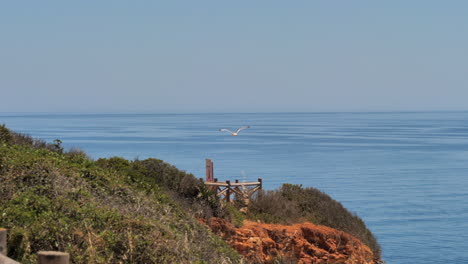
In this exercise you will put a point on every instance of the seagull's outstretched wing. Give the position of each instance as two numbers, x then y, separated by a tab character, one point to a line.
244	127
227	130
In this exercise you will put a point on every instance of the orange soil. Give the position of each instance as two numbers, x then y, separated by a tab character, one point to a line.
299	243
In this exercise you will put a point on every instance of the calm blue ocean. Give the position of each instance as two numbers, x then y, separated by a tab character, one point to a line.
404	174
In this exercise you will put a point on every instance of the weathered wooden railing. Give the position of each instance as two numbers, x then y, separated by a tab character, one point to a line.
224	190
243	190
43	257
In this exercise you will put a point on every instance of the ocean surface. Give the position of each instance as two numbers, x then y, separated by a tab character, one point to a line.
404	174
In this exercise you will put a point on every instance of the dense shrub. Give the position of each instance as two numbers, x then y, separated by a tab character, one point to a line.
5	135
183	187
293	203
11	137
64	201
77	155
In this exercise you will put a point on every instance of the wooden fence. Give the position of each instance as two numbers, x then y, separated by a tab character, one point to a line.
43	257
224	190
243	190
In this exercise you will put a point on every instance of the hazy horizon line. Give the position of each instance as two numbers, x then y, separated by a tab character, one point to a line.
217	112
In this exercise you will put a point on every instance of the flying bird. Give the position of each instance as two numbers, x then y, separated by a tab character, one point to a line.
234	133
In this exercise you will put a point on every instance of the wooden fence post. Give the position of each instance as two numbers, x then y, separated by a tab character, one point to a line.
53	257
3	248
3	241
235	194
228	192
209	170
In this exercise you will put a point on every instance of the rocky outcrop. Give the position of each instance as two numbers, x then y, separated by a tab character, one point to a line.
299	243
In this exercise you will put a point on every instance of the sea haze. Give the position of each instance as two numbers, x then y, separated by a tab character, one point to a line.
404	174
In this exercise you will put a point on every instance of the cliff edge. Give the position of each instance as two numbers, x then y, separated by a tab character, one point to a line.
298	243
113	210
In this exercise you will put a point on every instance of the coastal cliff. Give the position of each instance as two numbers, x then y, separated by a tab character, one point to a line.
147	211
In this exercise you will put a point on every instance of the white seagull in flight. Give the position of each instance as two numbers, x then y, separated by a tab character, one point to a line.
234	133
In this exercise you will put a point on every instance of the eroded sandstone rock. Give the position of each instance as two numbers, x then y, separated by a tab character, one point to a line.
304	243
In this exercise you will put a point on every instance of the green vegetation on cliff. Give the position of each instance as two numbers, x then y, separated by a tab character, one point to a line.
143	211
105	211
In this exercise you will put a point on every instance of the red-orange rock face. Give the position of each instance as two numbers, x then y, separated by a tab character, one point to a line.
301	243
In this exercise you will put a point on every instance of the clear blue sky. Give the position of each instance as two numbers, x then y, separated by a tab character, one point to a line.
233	56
